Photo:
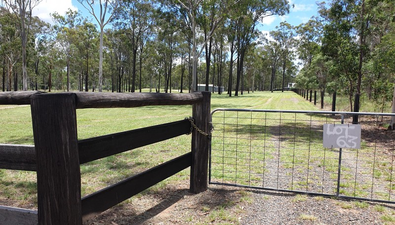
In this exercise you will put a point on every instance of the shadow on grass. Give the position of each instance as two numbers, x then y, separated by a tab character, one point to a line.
126	214
286	131
27	139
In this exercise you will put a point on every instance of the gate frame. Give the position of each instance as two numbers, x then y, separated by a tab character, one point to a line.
333	113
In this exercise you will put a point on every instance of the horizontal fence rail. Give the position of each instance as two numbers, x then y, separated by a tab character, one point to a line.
23	157
107	145
18	157
108	100
283	150
108	197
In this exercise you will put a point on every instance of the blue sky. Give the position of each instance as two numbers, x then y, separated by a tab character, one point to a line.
302	11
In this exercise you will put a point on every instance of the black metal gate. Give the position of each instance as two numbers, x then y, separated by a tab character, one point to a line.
283	151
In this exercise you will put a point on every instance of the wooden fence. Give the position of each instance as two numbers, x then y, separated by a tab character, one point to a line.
57	154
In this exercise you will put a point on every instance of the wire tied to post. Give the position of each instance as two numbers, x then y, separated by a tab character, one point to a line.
193	126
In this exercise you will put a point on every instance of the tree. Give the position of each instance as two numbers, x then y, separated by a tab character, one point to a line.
345	33
102	18
195	10
284	37
23	8
247	16
87	35
67	34
10	47
137	21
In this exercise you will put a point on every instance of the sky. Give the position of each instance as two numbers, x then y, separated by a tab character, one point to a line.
302	11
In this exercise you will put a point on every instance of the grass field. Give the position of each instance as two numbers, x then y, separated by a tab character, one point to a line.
18	188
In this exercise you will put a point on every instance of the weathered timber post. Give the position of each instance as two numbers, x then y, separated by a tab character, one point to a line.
58	167
311	93
322	99
334	102
307	94
356	109
315	97
200	144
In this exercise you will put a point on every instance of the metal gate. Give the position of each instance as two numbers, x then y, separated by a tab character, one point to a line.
283	151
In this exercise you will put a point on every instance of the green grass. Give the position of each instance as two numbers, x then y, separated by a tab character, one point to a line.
366	105
16	128
308	217
250	136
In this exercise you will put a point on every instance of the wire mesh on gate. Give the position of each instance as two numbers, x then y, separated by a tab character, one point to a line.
283	150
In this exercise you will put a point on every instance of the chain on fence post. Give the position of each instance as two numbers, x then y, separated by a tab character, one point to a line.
200	144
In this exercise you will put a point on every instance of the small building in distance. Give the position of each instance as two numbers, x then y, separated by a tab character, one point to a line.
211	88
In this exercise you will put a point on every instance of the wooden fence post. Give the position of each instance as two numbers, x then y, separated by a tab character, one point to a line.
322	99
311	93
200	145
334	102
58	167
356	109
315	97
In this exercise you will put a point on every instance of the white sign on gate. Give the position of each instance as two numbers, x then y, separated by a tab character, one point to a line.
342	136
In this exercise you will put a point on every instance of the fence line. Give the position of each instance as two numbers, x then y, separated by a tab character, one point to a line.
58	154
283	150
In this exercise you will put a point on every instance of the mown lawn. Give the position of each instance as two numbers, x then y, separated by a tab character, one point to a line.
19	188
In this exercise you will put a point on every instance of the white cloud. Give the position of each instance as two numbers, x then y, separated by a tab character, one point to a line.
302	7
267	20
304	19
46	7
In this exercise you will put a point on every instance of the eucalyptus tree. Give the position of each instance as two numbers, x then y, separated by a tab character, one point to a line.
136	18
167	37
195	9
219	56
309	39
263	63
116	43
88	36
284	36
39	35
107	10
47	60
338	43
66	28
274	52
10	47
23	9
211	10
346	31
248	14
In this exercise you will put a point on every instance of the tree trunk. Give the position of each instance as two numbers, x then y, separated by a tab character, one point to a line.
208	61
220	71
230	69
50	78
15	81
134	69
393	110
22	14
3	80
182	73
141	64
9	75
272	77
283	83
194	65
100	60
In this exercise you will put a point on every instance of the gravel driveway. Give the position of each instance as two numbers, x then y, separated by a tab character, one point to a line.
228	205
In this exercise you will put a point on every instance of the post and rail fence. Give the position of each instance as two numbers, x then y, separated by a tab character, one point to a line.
57	153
